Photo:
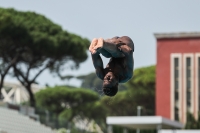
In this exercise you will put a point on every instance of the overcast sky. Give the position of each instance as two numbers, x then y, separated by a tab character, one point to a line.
138	19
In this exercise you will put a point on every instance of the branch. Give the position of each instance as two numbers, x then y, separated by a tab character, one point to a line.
27	73
39	73
17	72
1	72
29	68
14	60
23	83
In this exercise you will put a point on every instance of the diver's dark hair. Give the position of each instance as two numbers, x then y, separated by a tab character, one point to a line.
111	91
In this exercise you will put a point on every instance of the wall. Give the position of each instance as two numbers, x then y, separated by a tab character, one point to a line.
165	47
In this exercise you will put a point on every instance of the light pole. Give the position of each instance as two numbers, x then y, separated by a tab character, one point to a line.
139	110
138	114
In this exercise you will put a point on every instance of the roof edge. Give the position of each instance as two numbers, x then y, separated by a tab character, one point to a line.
177	35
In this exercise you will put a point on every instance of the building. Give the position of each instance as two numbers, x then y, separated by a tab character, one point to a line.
12	121
178	75
16	93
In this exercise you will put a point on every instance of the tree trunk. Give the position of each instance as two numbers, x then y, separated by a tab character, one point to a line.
14	60
32	99
1	85
57	122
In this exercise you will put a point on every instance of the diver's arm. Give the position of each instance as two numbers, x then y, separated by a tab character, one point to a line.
98	64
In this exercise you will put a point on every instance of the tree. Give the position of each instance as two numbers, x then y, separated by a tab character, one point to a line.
7	45
38	44
142	88
69	103
191	122
90	81
66	77
120	105
59	98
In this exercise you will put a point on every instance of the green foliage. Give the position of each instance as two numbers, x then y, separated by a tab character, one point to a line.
143	77
66	103
95	111
119	129
59	98
62	130
38	44
120	105
191	122
41	37
142	88
69	102
90	81
68	77
66	114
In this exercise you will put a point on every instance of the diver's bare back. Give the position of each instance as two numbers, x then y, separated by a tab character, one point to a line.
119	67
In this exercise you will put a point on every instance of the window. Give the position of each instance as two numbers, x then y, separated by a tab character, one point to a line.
176	73
176	113
199	79
188	82
176	96
176	88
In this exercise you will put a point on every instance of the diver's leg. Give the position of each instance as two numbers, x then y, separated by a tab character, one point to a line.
111	45
100	48
104	53
107	48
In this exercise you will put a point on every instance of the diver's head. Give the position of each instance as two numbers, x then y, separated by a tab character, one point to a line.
110	84
110	91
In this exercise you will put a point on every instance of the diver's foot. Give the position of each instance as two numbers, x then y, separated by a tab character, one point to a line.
92	45
99	44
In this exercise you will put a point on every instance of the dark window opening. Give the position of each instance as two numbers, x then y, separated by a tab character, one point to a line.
176	88
188	82
199	80
176	114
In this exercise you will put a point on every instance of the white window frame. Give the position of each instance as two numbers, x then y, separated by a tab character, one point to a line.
191	55
172	99
196	98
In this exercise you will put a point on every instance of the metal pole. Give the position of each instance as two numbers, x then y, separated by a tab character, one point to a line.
174	130
68	131
138	114
159	127
109	129
47	117
125	130
139	110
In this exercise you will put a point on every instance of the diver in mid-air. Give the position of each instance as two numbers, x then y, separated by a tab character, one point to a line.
120	67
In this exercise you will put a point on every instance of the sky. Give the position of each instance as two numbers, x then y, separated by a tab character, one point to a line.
138	19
